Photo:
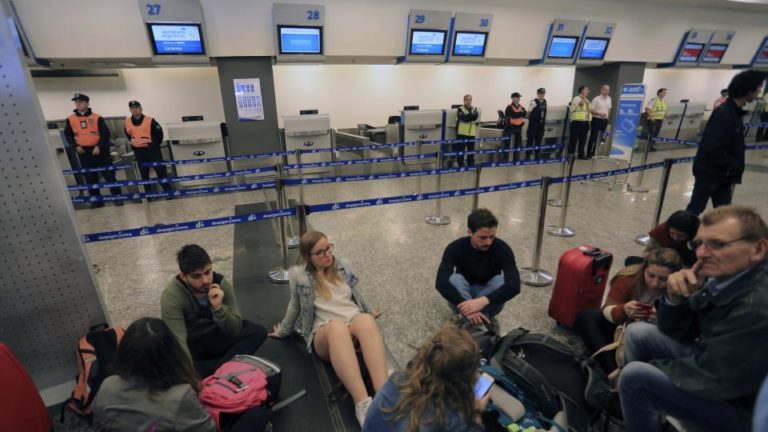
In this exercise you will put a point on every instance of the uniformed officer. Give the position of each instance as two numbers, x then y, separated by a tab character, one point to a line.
466	130
537	117
145	136
515	118
88	133
581	114
656	109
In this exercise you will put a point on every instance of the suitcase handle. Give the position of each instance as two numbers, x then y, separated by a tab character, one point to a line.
593	253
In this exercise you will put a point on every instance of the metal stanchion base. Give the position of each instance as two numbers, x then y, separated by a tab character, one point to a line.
538	278
278	276
640	189
293	242
554	202
558	231
643	239
438	220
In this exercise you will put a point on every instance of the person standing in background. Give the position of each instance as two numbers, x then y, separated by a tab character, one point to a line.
466	129
537	117
515	118
87	132
656	109
145	136
580	115
721	100
762	131
601	109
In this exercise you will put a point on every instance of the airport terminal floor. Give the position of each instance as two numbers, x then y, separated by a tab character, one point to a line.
395	253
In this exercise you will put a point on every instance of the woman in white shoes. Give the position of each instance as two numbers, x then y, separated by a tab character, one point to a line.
326	309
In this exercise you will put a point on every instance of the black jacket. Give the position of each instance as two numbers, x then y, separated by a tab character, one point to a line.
720	156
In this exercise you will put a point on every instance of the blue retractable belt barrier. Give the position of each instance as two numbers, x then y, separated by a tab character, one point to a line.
177	193
676	141
169	179
97	169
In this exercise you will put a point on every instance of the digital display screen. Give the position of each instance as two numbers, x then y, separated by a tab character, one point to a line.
427	42
176	39
714	54
562	47
594	49
470	44
301	40
762	57
690	53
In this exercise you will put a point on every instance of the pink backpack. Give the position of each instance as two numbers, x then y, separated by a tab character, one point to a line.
237	385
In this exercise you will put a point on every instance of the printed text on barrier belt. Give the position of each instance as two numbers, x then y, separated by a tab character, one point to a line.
216	159
589	176
359	161
504	150
187	226
407	174
184	226
169	179
97	169
676	141
177	193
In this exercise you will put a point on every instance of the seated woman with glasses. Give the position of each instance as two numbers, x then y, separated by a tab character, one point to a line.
435	392
326	309
632	296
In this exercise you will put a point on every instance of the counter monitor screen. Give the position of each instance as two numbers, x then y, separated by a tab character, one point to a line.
762	57
427	42
176	39
714	54
690	53
562	47
594	49
300	40
469	44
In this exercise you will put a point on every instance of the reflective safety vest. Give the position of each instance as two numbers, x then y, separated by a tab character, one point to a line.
580	113
466	128
516	121
765	102
659	109
141	135
85	128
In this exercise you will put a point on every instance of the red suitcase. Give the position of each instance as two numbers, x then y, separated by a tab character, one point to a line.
21	408
581	277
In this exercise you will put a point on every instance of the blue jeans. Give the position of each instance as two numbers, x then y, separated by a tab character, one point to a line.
647	394
469	292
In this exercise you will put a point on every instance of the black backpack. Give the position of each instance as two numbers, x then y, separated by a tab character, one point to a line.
555	376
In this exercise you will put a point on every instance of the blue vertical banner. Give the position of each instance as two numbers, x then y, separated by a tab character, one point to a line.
627	117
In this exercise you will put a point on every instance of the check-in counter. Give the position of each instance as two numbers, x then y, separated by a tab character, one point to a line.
555	124
306	132
425	125
690	127
672	121
197	140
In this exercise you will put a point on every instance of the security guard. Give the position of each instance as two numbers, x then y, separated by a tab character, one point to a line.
145	136
466	130
581	114
537	117
87	132
762	131
656	109
515	118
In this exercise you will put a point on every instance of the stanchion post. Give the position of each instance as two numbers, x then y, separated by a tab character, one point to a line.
301	216
301	175
561	230
643	239
438	219
476	196
145	201
533	275
640	188
280	274
293	240
558	202
419	166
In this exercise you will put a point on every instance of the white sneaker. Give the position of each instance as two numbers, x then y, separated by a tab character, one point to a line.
361	409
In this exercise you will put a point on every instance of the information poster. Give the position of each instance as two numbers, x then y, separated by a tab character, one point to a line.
627	117
248	99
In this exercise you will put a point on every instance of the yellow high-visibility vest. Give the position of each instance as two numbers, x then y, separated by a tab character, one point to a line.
659	109
580	113
466	128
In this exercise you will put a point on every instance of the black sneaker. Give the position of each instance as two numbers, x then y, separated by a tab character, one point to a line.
98	204
119	203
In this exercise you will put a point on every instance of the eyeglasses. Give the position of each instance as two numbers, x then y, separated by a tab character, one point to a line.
712	244
322	252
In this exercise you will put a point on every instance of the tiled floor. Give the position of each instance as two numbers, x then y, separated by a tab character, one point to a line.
394	251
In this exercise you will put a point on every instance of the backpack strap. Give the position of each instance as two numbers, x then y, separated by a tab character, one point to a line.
287	401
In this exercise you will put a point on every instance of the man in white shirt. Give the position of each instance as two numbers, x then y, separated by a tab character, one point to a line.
601	109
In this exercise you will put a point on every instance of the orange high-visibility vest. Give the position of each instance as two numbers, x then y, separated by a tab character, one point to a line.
85	128
519	120
141	135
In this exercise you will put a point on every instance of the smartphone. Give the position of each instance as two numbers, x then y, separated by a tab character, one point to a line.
482	385
645	306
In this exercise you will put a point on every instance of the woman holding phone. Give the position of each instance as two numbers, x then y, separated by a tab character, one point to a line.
436	390
633	293
326	309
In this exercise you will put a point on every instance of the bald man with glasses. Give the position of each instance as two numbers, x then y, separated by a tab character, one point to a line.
704	363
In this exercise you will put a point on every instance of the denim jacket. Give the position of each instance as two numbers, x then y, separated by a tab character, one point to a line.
300	315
